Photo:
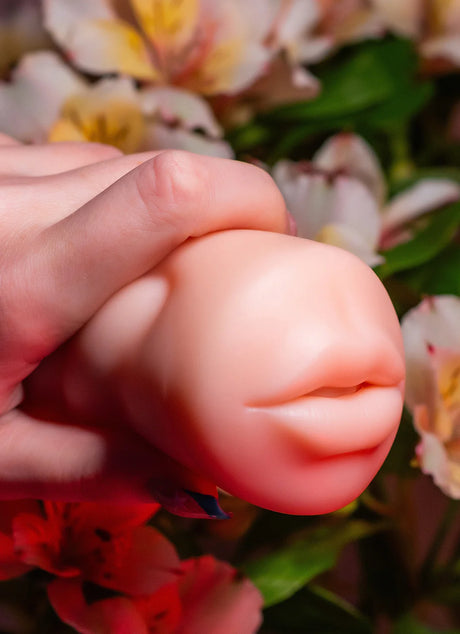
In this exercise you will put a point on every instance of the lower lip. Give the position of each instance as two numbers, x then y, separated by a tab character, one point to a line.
343	424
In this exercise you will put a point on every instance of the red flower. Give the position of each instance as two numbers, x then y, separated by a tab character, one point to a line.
10	564
114	575
208	597
105	544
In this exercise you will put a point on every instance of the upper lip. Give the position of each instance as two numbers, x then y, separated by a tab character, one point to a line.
349	408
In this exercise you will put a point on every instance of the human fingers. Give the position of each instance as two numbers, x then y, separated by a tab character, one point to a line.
94	465
80	261
53	158
55	196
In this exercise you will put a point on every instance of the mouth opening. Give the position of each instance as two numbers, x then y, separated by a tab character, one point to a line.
332	392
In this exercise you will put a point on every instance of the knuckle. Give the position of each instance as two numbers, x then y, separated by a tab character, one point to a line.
173	182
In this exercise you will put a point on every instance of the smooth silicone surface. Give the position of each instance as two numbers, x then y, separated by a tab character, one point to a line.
270	364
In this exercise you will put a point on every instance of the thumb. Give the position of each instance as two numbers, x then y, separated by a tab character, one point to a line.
80	261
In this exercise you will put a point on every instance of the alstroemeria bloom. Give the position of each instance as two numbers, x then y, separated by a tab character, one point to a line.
350	20
208	597
21	30
10	564
47	101
105	544
431	334
340	198
309	30
207	46
433	24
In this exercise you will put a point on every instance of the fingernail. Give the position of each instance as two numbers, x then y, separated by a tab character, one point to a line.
291	224
186	503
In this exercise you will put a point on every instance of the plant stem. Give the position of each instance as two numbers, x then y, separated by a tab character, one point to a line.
429	563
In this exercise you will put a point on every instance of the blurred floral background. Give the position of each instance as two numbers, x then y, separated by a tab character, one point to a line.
353	106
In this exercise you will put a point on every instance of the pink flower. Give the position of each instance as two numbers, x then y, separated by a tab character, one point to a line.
431	334
207	46
433	24
339	197
48	101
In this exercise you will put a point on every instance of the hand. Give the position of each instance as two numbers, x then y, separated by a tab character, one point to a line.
80	222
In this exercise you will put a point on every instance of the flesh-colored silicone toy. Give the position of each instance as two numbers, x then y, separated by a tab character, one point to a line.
270	364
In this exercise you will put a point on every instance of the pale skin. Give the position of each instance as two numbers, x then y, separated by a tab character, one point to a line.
80	222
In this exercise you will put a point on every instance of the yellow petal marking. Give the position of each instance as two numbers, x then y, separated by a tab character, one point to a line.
439	11
167	22
217	70
116	122
65	130
449	382
122	45
329	235
447	423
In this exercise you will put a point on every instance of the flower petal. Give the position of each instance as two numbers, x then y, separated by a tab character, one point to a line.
10	563
96	40
109	616
38	543
306	194
352	155
159	136
425	196
405	18
280	85
215	599
176	106
110	46
236	53
61	17
138	562
168	23
106	112
346	237
31	102
435	321
434	461
330	208
447	47
116	518
351	20
162	611
21	30
292	28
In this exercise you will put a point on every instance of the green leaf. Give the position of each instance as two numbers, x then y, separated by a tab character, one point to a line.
368	76
403	450
428	243
407	102
409	625
315	609
280	574
441	276
247	137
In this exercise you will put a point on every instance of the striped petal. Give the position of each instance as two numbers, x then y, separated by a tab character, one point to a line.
168	23
108	111
31	102
110	46
352	155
